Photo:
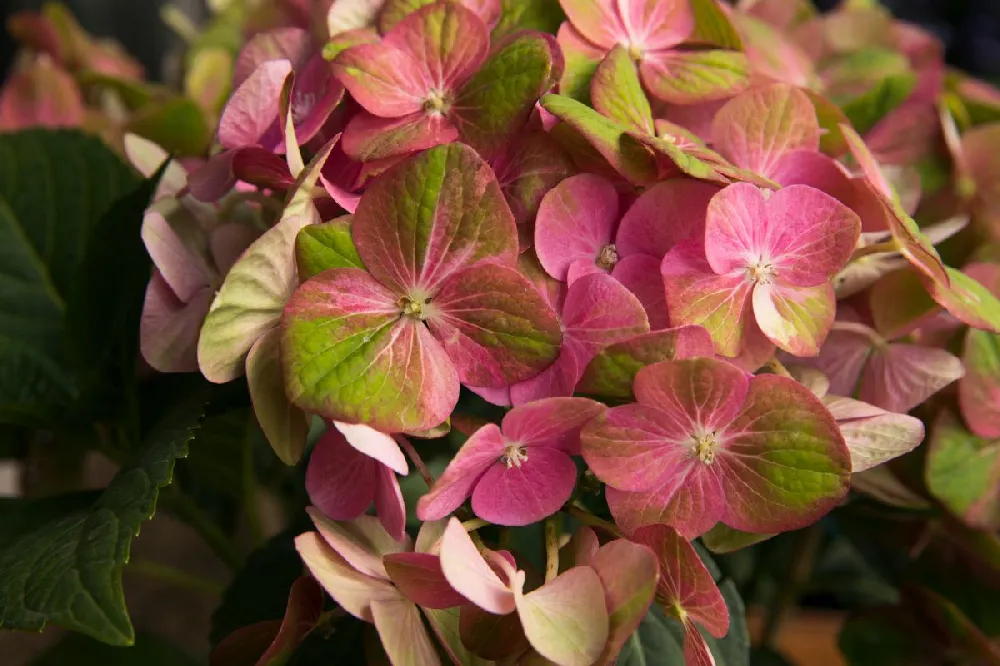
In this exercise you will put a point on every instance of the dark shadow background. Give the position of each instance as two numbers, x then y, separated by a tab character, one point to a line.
970	29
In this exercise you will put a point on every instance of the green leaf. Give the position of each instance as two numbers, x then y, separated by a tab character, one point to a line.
712	26
68	570
327	245
149	650
541	15
617	93
54	188
866	110
178	125
963	472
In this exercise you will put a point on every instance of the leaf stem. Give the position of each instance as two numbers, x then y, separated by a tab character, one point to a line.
551	547
418	462
803	557
474	524
884	247
187	510
169	574
588	518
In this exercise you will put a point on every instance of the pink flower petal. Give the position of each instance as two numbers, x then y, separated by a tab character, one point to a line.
663	216
389	504
697	296
596	20
755	129
214	179
657	25
575	220
291	44
628	573
703	393
420	578
691	503
482	450
979	389
251	118
340	479
374	444
362	542
873	435
469	574
315	94
553	423
796	319
169	329
527	492
178	264
368	137
228	241
640	273
402	633
898	377
843	357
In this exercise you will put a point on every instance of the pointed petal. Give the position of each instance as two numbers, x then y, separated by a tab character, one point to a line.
575	220
784	462
419	577
447	211
349	356
696	650
496	328
526	493
374	444
402	632
362	542
663	216
873	435
796	319
389	504
697	296
755	129
900	376
628	573
527	170
482	450
469	574
553	423
285	425
565	619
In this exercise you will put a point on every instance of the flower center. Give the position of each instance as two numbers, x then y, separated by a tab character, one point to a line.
413	307
607	257
760	273
704	447
437	102
635	51
514	456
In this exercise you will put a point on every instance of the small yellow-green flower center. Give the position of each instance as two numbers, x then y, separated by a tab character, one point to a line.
760	273
514	455
437	102
607	257
635	51
412	307
704	447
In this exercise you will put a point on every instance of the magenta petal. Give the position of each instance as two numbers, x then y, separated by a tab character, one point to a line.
736	229
553	423
480	451
341	481
251	118
368	137
315	94
169	329
214	179
419	577
664	215
582	267
900	376
640	273
260	167
291	44
813	168
557	380
389	504
527	492
386	81
696	650
691	502
575	220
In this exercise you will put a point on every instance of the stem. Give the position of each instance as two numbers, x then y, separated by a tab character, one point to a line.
475	524
588	518
551	547
875	248
187	510
803	558
169	574
418	462
777	367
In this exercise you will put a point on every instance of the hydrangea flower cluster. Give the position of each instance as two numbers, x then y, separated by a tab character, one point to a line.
676	269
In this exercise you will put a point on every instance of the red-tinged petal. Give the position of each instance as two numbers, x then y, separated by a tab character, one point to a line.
640	273
691	77
737	229
812	168
368	138
636	447
686	587
597	20
340	480
783	462
657	25
260	167
796	319
612	372
389	504
616	92
552	290
576	219
843	357
482	450
690	503
697	296
704	394
494	326
495	396
598	311
757	128
252	116
314	96
663	216
469	574
305	604
362	542
527	170
41	95
349	355
553	423
214	179
565	620
374	444
898	377
180	266
979	389
581	61
528	490
285	425
445	209
967	300
581	548
168	330
353	591
402	632
419	577
628	572
755	349
291	44
873	435
696	650
395	11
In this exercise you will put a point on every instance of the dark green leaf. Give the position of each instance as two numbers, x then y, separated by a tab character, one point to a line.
541	15
79	650
865	111
68	570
